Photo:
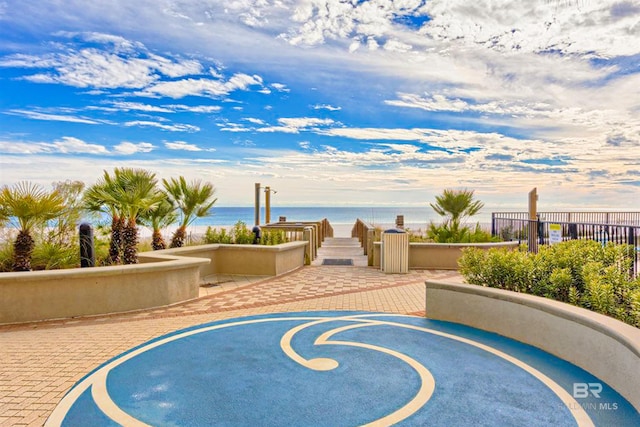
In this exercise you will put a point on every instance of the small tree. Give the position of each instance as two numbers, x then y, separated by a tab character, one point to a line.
99	198
125	195
194	200
455	206
161	216
64	230
31	206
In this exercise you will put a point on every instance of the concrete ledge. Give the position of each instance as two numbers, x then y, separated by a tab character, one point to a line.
439	256
606	347
43	295
248	260
161	278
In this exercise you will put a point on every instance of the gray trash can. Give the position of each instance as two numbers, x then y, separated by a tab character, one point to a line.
395	251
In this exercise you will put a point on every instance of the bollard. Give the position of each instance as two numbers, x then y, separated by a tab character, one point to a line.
257	234
87	249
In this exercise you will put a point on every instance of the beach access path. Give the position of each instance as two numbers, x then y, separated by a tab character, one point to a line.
40	362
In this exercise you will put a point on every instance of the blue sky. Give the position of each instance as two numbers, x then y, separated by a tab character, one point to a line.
329	102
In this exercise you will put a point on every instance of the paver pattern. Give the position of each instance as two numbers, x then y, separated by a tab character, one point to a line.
39	362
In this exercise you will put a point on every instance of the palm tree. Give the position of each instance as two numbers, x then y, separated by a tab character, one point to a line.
97	199
193	199
31	206
161	216
454	206
125	196
137	194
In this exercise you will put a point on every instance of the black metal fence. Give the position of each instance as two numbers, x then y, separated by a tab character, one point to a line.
618	218
538	232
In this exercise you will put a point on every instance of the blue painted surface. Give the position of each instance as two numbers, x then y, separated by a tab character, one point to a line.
238	375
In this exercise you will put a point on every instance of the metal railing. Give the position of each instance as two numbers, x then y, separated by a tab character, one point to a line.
619	218
537	232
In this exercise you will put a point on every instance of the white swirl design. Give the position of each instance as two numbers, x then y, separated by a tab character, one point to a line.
97	381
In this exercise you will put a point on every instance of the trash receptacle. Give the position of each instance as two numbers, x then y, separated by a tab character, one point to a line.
395	251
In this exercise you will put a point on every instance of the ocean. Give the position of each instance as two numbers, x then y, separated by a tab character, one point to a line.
225	216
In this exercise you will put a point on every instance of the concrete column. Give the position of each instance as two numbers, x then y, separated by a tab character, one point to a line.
257	204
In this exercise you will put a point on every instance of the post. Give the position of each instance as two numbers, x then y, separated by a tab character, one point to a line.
267	205
257	204
533	221
87	252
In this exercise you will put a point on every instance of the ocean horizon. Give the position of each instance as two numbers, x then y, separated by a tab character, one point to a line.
341	215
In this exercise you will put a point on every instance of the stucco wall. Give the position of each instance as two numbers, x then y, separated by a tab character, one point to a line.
161	278
41	295
604	346
439	256
248	260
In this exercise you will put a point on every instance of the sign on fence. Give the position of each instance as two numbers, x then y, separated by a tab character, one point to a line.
555	233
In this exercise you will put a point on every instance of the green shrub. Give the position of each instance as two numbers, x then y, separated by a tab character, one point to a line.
212	235
579	272
447	233
496	268
6	257
53	256
273	237
241	235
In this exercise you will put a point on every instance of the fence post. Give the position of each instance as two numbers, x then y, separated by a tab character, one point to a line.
493	224
533	221
631	240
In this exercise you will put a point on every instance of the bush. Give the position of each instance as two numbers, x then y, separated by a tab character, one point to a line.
241	235
54	256
445	233
6	257
273	237
212	235
583	273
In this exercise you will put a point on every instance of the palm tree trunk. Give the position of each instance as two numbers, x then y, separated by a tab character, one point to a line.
157	242
179	237
115	246
22	250
130	242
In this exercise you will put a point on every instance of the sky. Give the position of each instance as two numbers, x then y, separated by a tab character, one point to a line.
382	103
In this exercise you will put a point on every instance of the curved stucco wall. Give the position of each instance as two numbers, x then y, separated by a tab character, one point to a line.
161	278
439	256
42	295
603	346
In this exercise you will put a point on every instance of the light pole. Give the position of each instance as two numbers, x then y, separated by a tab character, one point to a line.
257	204
267	200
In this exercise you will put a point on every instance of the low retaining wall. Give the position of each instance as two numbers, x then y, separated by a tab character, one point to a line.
53	294
162	278
439	256
248	260
603	346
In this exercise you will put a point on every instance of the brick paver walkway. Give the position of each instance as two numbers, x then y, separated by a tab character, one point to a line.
39	362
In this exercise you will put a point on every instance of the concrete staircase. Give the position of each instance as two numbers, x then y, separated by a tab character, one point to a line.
341	248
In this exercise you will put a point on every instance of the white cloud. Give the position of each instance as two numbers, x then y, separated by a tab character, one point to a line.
196	108
326	107
296	124
35	115
172	128
185	146
280	87
129	148
65	145
201	87
137	106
